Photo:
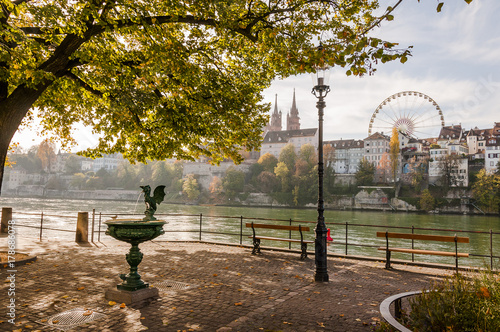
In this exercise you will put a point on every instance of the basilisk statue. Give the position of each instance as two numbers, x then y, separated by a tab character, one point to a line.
151	201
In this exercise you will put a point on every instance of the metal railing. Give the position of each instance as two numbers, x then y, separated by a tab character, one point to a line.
201	230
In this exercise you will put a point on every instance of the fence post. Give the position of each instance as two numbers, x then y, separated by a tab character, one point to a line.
93	221
201	221
491	249
6	217
412	243
241	230
41	226
82	228
290	235
99	230
346	231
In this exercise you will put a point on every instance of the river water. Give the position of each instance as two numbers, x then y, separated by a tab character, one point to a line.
224	224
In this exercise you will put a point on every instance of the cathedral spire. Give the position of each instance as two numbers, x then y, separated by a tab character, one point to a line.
292	118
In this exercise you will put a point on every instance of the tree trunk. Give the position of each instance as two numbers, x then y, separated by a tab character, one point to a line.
12	111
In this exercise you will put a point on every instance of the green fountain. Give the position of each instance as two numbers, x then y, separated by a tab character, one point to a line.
136	231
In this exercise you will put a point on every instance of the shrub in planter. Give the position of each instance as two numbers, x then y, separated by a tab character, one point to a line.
456	304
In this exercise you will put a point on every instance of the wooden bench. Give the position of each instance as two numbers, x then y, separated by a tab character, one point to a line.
424	237
256	238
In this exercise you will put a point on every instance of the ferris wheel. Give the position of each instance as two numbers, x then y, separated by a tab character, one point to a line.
413	113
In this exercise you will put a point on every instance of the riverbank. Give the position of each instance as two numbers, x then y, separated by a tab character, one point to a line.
365	200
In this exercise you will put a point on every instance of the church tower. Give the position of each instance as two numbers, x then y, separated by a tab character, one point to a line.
292	118
275	123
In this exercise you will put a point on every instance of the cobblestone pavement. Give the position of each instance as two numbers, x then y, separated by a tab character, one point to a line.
203	287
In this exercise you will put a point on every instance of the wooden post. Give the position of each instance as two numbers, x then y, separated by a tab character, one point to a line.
6	217
82	228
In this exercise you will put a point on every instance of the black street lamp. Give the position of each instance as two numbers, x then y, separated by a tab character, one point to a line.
320	90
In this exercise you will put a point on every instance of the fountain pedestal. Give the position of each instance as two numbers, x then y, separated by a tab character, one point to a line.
133	231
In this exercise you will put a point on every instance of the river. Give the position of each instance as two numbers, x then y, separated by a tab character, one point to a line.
218	221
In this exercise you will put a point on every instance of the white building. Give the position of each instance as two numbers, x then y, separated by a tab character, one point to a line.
458	167
492	154
274	141
375	146
108	162
347	155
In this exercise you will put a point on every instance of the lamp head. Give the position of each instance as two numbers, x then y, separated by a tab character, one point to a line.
321	76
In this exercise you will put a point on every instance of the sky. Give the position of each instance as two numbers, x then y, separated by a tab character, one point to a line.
455	61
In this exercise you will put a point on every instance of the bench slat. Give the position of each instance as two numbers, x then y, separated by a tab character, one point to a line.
424	237
279	239
425	252
282	227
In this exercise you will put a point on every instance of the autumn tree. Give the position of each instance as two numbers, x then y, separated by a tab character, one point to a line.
427	201
268	162
384	169
394	153
308	154
233	182
215	188
171	79
283	174
191	187
46	153
448	167
267	182
486	190
365	174
288	156
329	170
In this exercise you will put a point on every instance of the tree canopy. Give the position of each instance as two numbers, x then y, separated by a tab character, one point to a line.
170	79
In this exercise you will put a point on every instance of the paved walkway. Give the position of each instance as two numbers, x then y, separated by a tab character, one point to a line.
203	287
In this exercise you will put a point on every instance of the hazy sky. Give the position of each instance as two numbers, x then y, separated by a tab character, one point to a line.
455	62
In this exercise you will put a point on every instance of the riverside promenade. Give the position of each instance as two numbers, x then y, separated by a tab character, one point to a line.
203	287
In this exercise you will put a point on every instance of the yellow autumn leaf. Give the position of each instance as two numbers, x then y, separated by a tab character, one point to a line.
123	305
81	288
111	303
238	303
87	313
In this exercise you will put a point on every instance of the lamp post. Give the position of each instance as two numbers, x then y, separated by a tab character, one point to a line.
320	90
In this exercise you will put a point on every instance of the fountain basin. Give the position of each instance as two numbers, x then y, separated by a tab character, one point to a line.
134	231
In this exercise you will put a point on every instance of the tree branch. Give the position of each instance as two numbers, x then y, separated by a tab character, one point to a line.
83	84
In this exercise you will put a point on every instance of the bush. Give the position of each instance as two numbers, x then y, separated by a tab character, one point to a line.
457	304
427	202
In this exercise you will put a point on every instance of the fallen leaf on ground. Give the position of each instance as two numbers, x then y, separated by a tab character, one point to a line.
81	288
123	305
111	303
